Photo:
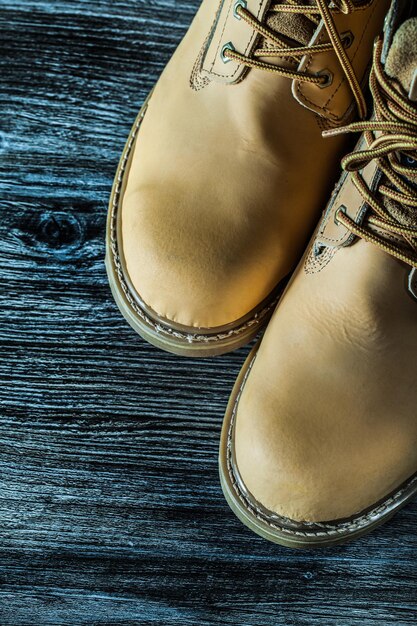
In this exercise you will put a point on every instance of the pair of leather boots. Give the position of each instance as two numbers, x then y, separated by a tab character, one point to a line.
223	180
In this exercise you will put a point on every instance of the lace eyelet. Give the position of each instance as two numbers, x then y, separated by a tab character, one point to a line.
227	46
327	78
412	283
239	3
407	161
340	209
347	39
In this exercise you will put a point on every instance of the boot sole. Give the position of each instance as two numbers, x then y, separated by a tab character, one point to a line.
175	338
284	531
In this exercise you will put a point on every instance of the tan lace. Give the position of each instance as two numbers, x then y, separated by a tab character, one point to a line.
391	133
315	14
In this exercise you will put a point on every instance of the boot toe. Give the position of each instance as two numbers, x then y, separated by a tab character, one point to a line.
306	467
195	273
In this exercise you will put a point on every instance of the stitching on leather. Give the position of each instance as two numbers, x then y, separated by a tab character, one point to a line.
302	96
328	529
314	264
197	80
221	35
250	43
332	212
160	327
300	86
331	207
311	58
343	81
329	211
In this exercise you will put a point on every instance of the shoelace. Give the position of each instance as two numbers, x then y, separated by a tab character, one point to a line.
391	135
315	14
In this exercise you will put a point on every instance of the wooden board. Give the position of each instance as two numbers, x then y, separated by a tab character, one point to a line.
110	506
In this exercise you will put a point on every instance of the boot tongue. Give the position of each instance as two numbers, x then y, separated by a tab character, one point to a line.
293	26
401	60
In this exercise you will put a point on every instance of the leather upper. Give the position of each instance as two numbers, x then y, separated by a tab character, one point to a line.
332	102
326	424
227	29
226	182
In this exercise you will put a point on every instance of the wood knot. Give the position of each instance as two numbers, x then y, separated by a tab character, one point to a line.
59	230
54	232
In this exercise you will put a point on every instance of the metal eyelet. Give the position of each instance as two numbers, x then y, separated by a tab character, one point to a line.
327	78
408	161
227	46
347	39
412	283
239	3
340	209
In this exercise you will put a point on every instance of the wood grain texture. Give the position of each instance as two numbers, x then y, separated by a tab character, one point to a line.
110	505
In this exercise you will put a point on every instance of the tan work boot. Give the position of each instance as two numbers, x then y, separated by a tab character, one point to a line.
319	443
225	171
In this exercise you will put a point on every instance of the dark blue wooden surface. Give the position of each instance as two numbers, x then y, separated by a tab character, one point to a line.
110	505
